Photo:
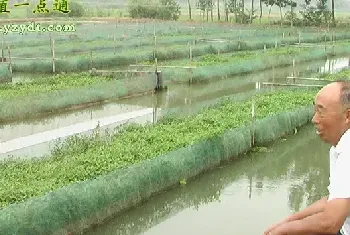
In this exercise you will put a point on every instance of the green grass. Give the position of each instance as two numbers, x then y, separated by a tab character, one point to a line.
83	158
344	74
44	85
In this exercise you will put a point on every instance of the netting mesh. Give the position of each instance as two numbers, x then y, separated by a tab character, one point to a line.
272	127
79	205
34	105
206	73
107	59
4	72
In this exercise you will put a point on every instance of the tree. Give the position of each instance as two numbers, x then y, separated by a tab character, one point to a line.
237	7
281	4
189	9
170	10
315	15
333	17
206	6
226	11
270	4
76	9
292	6
251	15
154	9
261	11
218	3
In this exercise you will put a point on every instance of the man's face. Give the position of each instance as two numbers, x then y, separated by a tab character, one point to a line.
330	119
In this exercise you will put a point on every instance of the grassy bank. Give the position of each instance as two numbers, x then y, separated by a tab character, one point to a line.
47	84
344	74
63	92
107	59
82	159
220	66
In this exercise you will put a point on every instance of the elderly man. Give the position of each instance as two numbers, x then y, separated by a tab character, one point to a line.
329	215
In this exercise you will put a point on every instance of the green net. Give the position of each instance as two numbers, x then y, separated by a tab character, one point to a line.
74	207
34	105
209	187
261	62
4	72
109	57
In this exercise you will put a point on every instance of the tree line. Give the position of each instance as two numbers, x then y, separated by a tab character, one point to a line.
312	13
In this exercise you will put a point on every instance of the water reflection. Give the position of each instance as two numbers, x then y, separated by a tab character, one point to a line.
227	200
335	65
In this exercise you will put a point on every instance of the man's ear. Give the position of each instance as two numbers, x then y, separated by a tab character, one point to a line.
347	116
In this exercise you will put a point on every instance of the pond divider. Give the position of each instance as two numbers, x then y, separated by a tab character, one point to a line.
75	208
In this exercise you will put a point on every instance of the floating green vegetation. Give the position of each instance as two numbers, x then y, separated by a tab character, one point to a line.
53	83
83	158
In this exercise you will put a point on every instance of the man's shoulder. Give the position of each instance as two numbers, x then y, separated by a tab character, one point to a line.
344	143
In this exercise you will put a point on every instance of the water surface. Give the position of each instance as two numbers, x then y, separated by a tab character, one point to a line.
242	197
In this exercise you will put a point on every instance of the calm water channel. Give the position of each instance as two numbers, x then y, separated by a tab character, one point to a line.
242	197
178	95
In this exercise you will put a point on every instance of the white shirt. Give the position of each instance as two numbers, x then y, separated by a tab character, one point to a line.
339	186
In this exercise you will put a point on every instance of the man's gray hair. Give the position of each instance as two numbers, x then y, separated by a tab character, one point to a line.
344	91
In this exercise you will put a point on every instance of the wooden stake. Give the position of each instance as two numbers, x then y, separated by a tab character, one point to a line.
252	137
155	42
2	50
91	61
299	37
257	85
50	35
53	56
10	62
156	64
115	44
190	52
294	68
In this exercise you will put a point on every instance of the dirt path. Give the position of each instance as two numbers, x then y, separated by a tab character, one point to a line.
80	20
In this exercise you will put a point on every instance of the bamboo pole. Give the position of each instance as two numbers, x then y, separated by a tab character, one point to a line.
309	79
162	66
296	85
